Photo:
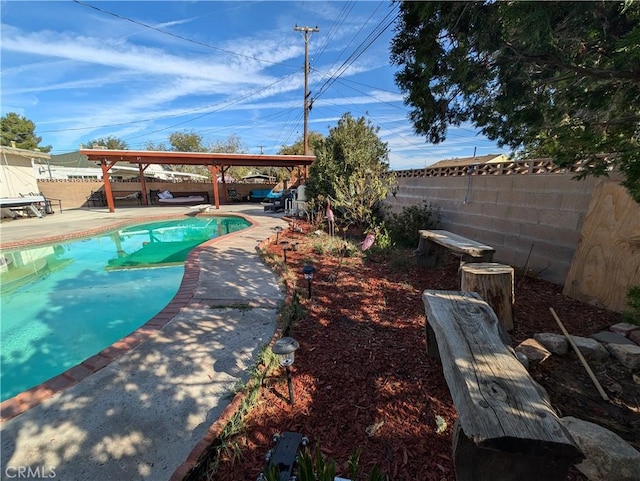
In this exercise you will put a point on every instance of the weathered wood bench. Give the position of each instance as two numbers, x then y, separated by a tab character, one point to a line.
198	197
506	428
434	244
128	196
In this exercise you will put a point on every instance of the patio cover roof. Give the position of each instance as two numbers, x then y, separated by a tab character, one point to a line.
198	158
213	160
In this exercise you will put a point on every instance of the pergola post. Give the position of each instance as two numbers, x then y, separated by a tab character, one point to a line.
143	184
108	193
214	178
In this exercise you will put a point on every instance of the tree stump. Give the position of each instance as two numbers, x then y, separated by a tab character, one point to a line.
494	283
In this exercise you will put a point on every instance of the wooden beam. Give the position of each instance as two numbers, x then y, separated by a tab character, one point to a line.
108	193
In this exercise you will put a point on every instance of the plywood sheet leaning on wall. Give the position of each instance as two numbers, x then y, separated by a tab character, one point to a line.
607	260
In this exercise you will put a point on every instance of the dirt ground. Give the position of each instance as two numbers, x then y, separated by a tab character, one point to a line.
362	379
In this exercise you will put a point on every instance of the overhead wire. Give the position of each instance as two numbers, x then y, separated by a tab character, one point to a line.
166	32
330	79
363	47
227	104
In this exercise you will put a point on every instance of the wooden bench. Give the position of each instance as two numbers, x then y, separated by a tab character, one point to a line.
199	197
506	428
97	199
130	196
434	244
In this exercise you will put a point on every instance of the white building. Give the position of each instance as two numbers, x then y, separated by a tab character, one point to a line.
17	177
74	165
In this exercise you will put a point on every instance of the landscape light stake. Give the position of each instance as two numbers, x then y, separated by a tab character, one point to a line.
308	271
278	229
285	349
285	248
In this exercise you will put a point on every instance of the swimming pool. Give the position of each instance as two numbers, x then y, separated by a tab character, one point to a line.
62	303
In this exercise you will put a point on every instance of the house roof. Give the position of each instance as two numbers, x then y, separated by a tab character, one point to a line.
31	154
462	161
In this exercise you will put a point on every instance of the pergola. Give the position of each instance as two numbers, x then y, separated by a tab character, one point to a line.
216	162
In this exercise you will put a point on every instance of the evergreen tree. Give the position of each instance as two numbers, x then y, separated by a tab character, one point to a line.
551	79
19	132
351	169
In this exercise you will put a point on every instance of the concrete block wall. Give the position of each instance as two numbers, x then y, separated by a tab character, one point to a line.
74	193
532	220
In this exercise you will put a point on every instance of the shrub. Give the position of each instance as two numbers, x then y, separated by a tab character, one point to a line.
404	226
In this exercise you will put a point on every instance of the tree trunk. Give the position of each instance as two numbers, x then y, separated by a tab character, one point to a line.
494	283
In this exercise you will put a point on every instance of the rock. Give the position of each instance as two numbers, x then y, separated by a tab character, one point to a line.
627	354
555	343
624	328
524	360
608	337
608	456
635	336
636	378
590	348
533	350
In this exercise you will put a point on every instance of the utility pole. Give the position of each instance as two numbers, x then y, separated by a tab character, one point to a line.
306	31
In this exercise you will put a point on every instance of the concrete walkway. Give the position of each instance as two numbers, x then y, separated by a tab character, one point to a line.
139	417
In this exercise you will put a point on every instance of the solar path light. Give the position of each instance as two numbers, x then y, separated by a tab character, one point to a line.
285	349
277	229
308	270
285	248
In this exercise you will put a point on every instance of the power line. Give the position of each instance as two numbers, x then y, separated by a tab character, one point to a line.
364	45
165	32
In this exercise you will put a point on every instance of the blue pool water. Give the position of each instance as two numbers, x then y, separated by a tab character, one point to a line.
61	304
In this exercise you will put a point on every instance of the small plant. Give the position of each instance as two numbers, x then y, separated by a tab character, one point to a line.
632	314
293	312
347	249
353	462
319	248
404	226
382	243
314	466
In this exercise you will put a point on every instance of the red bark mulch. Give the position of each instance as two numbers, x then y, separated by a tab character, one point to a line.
362	379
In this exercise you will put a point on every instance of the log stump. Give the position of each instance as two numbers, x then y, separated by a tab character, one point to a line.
494	283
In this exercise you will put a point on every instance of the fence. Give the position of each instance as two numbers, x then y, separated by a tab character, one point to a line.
532	213
74	192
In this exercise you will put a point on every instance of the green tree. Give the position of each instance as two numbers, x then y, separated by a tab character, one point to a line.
297	148
352	168
231	145
157	147
109	142
552	79
193	142
19	131
186	142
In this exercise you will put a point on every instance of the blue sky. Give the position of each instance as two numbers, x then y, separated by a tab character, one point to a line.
140	71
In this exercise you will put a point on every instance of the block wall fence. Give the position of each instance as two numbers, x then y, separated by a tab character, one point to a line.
74	193
533	220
